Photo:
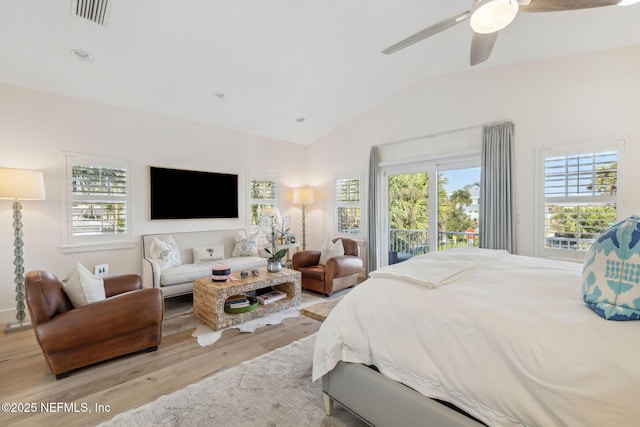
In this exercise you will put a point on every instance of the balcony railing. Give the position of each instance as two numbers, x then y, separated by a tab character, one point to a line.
556	242
404	244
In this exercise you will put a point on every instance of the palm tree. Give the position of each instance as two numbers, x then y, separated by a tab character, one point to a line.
460	198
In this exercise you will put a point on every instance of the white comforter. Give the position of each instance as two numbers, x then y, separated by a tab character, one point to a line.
510	341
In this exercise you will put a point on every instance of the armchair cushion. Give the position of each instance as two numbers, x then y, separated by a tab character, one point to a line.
331	249
82	287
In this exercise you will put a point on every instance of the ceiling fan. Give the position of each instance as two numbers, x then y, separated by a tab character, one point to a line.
488	17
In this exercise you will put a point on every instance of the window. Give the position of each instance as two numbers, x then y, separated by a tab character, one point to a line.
263	193
98	203
348	205
580	197
430	205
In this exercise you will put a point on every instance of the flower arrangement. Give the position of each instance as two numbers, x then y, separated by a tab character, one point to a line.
275	230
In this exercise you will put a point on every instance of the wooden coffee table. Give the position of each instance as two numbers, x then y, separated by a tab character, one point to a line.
209	296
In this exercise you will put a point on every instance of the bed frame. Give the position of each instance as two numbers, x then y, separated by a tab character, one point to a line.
381	401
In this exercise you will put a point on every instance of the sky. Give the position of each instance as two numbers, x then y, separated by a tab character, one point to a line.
458	178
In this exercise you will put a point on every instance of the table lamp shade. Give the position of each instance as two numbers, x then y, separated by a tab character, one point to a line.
267	212
303	196
21	184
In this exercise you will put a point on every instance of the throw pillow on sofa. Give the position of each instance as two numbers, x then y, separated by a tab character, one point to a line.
246	245
208	254
165	252
82	287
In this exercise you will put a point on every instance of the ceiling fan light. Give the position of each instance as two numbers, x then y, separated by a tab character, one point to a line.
490	16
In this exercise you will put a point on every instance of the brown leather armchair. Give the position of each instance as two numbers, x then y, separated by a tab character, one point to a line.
129	320
339	272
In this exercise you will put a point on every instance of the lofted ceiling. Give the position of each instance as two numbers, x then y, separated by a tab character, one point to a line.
292	70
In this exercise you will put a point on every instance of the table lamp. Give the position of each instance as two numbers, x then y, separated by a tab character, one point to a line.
20	184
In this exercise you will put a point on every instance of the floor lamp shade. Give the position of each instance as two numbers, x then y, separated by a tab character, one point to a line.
303	196
20	184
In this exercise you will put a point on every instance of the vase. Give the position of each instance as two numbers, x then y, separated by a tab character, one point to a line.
274	265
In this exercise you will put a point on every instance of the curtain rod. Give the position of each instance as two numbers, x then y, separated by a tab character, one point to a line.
444	132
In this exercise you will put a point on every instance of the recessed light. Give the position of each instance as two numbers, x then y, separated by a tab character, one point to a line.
300	119
82	55
219	96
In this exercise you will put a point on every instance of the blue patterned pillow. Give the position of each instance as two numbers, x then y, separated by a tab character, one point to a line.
611	272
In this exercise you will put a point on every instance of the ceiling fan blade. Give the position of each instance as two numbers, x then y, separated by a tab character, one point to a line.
557	6
428	32
481	46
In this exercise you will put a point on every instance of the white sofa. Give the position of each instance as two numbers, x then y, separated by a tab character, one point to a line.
179	280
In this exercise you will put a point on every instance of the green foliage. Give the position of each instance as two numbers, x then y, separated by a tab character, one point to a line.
606	180
409	201
409	204
582	221
279	254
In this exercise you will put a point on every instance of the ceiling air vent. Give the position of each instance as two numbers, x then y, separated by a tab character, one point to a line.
93	10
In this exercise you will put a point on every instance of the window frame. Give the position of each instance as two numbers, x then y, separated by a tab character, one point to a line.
432	166
271	202
99	241
587	147
347	204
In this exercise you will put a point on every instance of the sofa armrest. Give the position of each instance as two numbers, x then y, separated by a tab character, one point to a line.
305	259
115	285
151	273
95	322
341	266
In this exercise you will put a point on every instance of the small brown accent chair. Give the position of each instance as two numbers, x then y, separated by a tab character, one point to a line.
339	272
127	321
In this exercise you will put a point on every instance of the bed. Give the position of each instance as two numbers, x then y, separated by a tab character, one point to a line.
470	337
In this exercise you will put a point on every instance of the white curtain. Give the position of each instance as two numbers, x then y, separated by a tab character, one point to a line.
496	189
372	251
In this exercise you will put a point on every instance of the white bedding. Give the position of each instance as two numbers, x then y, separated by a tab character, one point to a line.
510	341
443	266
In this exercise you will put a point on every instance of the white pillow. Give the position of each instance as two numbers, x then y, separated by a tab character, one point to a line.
165	252
330	249
246	245
82	287
208	254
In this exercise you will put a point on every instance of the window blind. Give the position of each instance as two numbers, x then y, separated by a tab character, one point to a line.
580	193
98	200
348	205
263	193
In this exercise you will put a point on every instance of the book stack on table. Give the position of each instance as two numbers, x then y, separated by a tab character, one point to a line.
237	301
271	297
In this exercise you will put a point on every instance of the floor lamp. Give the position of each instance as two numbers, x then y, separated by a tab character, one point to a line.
303	196
19	184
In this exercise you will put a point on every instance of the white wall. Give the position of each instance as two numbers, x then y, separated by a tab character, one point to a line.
554	102
35	128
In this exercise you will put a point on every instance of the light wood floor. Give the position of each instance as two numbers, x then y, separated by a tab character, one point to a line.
109	388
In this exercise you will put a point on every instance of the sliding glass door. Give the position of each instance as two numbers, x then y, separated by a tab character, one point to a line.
430	206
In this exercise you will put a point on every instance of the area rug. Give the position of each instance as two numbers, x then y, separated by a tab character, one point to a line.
207	336
273	390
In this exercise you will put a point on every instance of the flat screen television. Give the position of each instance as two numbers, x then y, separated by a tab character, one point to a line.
187	194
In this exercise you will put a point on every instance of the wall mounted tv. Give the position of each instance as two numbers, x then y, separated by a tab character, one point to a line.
187	194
